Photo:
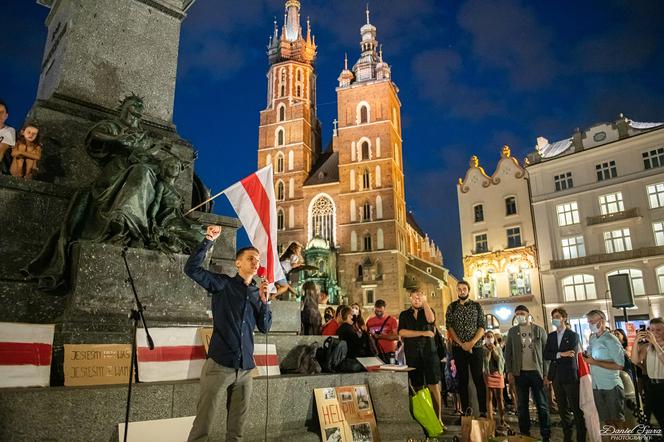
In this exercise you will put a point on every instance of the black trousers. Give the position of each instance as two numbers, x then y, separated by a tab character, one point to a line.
656	404
470	364
567	396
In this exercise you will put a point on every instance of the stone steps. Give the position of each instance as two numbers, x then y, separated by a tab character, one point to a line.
92	413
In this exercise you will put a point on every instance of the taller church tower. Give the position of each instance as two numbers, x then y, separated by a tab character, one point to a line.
372	228
289	133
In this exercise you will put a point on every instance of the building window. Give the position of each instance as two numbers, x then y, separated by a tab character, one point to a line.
380	240
573	247
282	113
492	322
486	284
280	162
481	243
478	211
298	91
658	230
364	150
660	278
364	114
322	218
579	288
656	195
280	219
653	158
280	137
617	240
520	281
369	297
568	213
360	273
611	203
366	212
280	191
366	179
606	171
563	181
510	206
367	242
635	278
513	237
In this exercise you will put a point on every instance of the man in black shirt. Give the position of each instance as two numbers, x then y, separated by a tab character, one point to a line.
416	328
465	323
238	305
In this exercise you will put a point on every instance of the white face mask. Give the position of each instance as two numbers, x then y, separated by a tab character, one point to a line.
594	328
489	340
521	319
355	312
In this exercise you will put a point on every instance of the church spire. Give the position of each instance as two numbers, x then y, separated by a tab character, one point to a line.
292	44
292	21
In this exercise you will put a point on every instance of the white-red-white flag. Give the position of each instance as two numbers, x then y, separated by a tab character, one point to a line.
178	354
254	202
587	401
266	359
25	354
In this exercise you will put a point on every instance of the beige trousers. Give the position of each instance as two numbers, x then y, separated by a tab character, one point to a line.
237	383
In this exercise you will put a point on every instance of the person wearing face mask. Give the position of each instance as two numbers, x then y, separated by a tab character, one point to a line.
494	367
561	348
605	357
526	368
652	356
465	324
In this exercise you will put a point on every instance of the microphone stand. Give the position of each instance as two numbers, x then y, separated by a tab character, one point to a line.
136	314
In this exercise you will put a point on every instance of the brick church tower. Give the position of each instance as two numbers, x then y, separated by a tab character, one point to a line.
372	226
289	133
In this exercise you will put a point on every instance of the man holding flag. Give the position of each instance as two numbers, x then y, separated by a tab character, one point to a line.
238	305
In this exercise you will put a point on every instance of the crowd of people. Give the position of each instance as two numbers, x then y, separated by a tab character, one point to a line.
508	373
19	156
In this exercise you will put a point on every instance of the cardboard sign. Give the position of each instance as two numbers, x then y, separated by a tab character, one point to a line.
346	414
96	364
164	430
206	334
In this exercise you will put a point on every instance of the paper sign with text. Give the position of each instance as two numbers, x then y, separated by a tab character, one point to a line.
96	364
346	414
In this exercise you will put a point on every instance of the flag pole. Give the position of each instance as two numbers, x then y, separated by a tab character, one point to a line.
206	201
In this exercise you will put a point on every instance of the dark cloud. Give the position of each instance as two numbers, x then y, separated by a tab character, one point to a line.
508	35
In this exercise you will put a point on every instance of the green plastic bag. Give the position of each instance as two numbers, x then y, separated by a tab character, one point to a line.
422	408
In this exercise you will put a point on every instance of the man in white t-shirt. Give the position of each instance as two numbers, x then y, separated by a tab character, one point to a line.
7	138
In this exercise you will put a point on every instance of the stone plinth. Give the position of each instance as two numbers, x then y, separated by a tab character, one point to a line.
92	413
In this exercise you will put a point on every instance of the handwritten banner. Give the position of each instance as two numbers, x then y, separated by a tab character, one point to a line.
96	364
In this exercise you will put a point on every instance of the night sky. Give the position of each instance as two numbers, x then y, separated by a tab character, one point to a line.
473	76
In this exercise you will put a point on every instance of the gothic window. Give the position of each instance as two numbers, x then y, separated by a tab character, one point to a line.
365	150
379	207
280	219
364	114
282	90
280	162
282	113
352	179
282	82
366	179
299	75
380	241
360	273
322	218
366	212
352	210
291	160
280	190
291	188
280	137
378	177
367	242
298	91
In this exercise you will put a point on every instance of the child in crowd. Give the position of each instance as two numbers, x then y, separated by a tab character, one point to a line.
26	153
494	376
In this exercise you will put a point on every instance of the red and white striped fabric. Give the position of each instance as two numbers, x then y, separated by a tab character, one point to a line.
178	354
587	401
266	359
25	354
254	202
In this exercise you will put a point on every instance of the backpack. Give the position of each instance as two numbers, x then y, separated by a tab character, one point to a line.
332	354
302	360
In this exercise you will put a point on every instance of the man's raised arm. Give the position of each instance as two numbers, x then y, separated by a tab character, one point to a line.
210	281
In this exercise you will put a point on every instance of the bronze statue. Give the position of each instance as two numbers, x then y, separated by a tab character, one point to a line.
131	203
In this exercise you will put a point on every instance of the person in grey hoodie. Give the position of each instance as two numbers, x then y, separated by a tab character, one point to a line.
526	368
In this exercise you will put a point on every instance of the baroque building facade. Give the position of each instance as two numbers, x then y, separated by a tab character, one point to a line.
352	194
498	241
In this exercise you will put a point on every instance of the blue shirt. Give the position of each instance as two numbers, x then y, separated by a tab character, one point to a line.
605	348
236	310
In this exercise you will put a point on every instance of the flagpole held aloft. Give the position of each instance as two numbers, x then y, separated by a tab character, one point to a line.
206	201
